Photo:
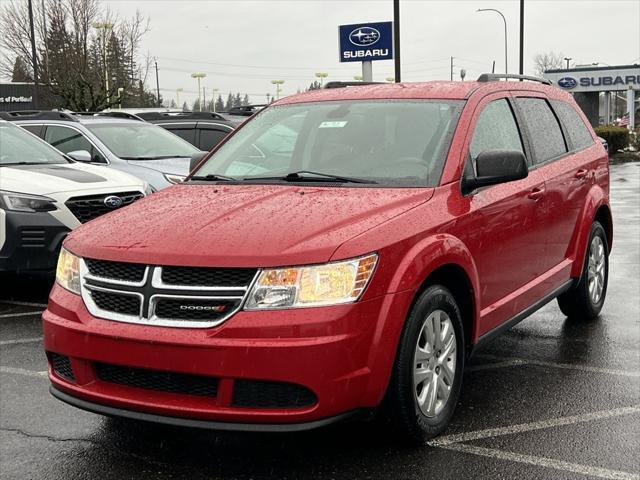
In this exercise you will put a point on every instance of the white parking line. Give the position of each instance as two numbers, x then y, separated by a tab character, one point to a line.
544	462
21	314
565	366
22	371
529	427
489	366
19	341
24	304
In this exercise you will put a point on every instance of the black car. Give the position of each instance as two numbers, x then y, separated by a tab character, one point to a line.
202	129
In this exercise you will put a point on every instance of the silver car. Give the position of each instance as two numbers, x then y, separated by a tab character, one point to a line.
146	151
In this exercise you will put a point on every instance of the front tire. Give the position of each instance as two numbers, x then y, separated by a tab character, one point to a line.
585	301
427	374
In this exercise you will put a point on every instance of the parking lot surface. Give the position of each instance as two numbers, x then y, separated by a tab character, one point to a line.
551	398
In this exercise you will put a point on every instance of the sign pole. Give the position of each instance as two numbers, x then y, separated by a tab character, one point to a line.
367	71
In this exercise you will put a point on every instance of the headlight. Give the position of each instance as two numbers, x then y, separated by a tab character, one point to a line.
312	286
174	178
22	202
68	271
148	189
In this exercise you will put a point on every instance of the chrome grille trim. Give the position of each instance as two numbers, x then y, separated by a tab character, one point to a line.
154	289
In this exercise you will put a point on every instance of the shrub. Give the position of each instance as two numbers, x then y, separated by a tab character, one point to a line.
617	137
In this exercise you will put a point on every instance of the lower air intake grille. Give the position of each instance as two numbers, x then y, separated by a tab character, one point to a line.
261	394
115	302
62	366
157	380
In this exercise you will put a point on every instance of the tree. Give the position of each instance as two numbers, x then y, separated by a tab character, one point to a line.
173	104
75	59
315	85
237	100
185	107
196	105
229	105
548	61
245	100
21	71
219	104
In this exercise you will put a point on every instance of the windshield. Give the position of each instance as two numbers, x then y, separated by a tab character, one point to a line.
19	147
141	141
401	143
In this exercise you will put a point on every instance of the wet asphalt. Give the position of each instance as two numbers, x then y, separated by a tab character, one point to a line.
551	398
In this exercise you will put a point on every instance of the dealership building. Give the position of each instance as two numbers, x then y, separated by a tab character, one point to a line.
16	96
604	93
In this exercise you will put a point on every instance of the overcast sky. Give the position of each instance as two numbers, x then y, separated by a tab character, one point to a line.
243	45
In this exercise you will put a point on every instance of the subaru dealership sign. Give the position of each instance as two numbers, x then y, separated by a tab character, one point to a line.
364	42
596	79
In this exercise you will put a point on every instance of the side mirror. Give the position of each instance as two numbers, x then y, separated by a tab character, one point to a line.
195	159
604	143
497	166
80	156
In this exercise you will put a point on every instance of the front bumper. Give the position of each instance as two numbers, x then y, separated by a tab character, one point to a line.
342	354
31	241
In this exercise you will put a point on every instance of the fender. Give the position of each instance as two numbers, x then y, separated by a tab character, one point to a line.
428	255
594	200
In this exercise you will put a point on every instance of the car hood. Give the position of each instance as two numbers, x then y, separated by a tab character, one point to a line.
64	177
241	225
174	166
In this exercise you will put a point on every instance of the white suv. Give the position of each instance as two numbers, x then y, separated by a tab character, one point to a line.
44	195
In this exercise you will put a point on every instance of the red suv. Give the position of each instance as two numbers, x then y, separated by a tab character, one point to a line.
345	249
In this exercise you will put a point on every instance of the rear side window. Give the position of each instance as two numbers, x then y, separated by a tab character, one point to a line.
35	129
69	140
579	134
188	134
209	138
543	127
496	129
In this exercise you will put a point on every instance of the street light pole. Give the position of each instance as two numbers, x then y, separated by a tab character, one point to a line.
321	76
178	90
158	84
34	59
567	59
104	26
198	76
277	83
451	69
506	68
213	93
396	39
521	69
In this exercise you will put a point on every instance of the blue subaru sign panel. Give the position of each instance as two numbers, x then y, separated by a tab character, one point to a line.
364	42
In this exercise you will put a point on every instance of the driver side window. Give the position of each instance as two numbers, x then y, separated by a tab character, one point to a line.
69	140
496	129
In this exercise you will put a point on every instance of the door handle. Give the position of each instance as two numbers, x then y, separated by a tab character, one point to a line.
536	194
582	173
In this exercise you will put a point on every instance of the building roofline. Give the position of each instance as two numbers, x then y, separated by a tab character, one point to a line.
592	69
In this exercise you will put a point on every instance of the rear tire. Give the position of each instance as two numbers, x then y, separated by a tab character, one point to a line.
586	299
427	374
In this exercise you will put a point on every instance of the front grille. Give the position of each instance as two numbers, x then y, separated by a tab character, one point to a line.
262	394
192	309
62	366
211	277
188	297
125	272
92	206
116	302
32	238
158	380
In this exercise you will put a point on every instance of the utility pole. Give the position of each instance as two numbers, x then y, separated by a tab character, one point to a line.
451	69
521	70
567	59
34	59
204	97
104	27
396	39
158	84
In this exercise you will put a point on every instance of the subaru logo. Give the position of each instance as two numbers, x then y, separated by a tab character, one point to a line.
567	83
112	201
364	36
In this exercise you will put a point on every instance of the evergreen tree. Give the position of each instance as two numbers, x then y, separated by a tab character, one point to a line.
229	105
173	104
237	100
20	71
219	104
245	100
185	107
196	105
315	85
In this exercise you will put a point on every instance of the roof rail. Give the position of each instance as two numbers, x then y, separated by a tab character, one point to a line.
177	115
338	84
37	115
116	114
492	77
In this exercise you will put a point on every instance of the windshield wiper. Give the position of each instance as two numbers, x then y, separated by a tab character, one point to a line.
300	175
212	177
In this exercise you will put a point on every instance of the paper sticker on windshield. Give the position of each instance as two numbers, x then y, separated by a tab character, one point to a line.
332	124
